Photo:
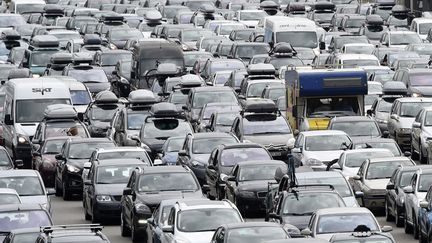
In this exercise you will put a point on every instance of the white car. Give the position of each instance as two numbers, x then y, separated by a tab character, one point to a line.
358	48
195	221
325	223
350	160
9	196
414	194
316	149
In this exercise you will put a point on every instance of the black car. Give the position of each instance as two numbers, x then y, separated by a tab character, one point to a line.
70	233
247	184
197	148
146	188
100	113
252	232
104	187
165	121
223	158
70	164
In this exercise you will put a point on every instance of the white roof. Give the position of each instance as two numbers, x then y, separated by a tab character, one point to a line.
363	150
357	57
322	133
358	44
31	88
422	20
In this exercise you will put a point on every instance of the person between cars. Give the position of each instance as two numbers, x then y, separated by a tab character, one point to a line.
73	131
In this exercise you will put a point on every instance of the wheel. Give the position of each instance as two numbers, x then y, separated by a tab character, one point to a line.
415	228
422	158
398	220
137	237
95	217
58	192
407	227
389	217
422	238
124	230
66	193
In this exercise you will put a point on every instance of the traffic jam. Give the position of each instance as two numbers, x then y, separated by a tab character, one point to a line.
215	121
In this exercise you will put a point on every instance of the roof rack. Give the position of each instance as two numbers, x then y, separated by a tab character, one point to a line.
45	41
112	18
374	19
92	227
92	39
295	7
164	109
399	11
323	5
394	88
283	49
82	59
10	35
207	9
141	97
19	73
260	106
261	69
53	10
310	186
105	97
153	16
168	69
60	111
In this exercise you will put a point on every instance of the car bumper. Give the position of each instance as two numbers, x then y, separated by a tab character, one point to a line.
252	204
110	210
404	140
374	201
74	183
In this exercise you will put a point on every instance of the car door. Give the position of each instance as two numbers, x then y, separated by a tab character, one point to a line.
425	215
128	200
232	185
357	185
391	121
410	200
391	193
183	157
151	227
90	189
416	131
298	149
61	164
211	172
169	237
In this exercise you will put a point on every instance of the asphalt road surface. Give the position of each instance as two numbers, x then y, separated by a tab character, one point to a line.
71	212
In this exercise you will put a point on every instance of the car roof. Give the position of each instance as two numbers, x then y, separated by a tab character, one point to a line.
20	207
211	88
90	140
362	150
318	174
211	135
120	162
414	99
119	149
191	204
261	162
165	169
322	132
18	173
388	159
298	240
351	119
342	210
250	224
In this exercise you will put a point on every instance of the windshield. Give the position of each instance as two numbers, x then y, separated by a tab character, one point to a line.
202	98
370	99
405	179
141	155
165	128
258	172
411	109
425	182
339	183
23	219
422	49
280	61
207	219
53	146
339	42
323	17
6	199
383	170
326	142
226	66
195	35
23	185
307	203
190	59
42	58
393	21
103	113
85	150
420	79
307	39
206	145
359	128
136	120
250	51
156	182
384	106
275	94
359	49
221	78
114	174
231	157
256	90
59	129
404	39
424	28
32	111
111	59
252	15
225	119
339	223
332	107
256	234
269	124
89	75
80	97
356	159
8	21
359	62
178	98
174	145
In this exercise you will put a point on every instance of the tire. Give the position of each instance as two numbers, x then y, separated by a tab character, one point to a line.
407	227
415	228
95	218
66	194
137	237
58	192
124	230
389	217
422	158
398	220
414	155
421	237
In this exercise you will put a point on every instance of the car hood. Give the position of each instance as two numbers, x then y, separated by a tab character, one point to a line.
249	23
300	222
324	156
406	122
203	158
155	198
377	183
109	189
261	185
326	237
267	139
423	90
197	237
27	129
39	199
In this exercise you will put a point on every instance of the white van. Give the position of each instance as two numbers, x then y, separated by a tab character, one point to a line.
25	6
299	32
80	94
421	26
25	102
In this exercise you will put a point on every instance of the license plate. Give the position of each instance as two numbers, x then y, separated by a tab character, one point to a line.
276	153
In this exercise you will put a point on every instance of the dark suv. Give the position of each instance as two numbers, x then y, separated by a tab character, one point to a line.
146	188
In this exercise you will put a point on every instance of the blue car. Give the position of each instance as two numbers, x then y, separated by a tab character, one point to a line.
425	218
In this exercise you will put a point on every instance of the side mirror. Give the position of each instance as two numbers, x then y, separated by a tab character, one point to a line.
290	143
87	182
390	186
394	116
369	112
150	221
424	204
241	97
168	229
8	120
184	107
359	194
306	232
114	72
87	165
223	177
386	228
127	191
385	134
135	138
296	150
274	216
157	162
51	191
18	163
322	45
408	189
182	152
407	153
416	125
356	177
36	147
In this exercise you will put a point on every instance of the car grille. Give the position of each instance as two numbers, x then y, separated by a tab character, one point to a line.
117	198
261	194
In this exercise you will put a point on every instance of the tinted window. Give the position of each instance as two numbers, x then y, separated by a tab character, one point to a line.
231	157
167	182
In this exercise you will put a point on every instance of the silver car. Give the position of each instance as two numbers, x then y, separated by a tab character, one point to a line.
421	134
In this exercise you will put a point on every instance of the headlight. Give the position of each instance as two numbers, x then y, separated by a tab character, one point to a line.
35	75
247	141
405	130
313	161
247	194
72	168
142	208
416	95
290	143
142	221
184	47
103	198
22	139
